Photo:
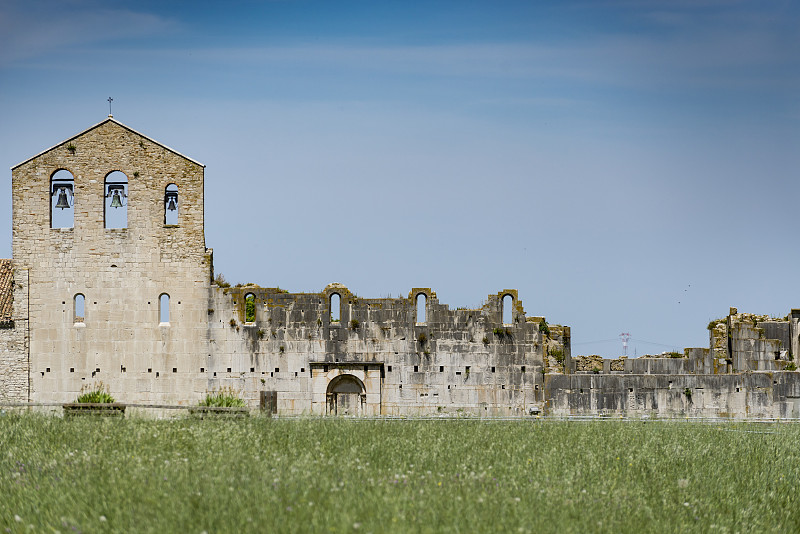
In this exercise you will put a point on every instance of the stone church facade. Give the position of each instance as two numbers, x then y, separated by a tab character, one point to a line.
111	281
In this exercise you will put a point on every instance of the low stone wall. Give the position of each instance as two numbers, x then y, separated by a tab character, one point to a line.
741	395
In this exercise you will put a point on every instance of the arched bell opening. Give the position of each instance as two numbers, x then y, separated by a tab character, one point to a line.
346	395
115	208
171	205
62	199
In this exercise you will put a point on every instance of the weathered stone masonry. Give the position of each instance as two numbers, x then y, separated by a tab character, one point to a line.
137	308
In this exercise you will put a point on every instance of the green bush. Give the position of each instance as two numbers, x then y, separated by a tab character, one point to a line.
224	398
99	395
543	328
250	309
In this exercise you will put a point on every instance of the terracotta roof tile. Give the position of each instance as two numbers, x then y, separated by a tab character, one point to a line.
6	291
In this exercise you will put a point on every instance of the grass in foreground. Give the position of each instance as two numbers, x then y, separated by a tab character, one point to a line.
320	475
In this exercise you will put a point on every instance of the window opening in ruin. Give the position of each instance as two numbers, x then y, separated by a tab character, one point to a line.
62	200
441	368
163	308
422	306
116	200
416	368
335	303
508	309
171	205
79	308
250	308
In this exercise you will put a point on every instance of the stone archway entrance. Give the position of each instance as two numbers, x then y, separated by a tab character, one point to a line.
346	395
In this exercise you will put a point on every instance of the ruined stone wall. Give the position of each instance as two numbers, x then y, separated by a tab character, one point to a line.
121	272
453	361
14	368
740	395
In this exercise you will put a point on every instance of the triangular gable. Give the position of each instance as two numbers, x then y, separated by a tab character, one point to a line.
109	119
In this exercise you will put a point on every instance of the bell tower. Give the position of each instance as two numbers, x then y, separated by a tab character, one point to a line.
108	227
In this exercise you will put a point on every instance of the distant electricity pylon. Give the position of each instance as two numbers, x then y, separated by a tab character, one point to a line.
624	337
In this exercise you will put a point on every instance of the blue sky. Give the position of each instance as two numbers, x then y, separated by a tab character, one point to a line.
628	165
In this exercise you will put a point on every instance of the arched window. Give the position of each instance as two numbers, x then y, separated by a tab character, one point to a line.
422	306
62	200
508	309
116	200
163	308
78	308
336	305
171	204
249	308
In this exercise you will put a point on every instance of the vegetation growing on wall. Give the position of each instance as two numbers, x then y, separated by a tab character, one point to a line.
97	395
543	328
249	310
224	398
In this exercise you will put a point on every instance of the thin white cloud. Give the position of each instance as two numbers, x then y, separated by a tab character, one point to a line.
32	33
752	58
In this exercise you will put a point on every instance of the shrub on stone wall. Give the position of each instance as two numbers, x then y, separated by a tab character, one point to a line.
224	398
98	395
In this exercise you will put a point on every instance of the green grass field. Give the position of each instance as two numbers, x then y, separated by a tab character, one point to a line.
88	474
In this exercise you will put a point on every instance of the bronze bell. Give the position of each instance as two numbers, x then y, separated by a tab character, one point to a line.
171	203
62	199
115	200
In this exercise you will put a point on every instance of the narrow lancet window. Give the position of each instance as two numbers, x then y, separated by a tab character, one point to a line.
163	308
171	205
116	200
62	200
422	305
508	309
79	303
335	303
249	308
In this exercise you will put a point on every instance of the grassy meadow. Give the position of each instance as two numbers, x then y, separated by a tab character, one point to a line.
89	474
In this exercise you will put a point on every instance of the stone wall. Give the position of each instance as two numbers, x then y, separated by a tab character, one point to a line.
453	361
736	395
121	272
311	353
14	367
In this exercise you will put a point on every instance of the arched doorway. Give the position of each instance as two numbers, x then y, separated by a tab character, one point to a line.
346	396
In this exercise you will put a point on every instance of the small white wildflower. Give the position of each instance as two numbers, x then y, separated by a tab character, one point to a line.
683	482
102	519
356	526
17	518
686	504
